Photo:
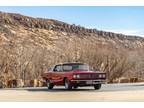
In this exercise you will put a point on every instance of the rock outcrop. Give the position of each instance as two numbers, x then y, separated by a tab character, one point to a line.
50	24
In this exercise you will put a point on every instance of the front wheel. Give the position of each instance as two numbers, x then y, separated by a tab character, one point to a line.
68	84
75	87
97	86
49	84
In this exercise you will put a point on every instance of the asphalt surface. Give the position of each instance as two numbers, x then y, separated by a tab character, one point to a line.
108	92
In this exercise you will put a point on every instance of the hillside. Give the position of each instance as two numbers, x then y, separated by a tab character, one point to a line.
48	30
30	45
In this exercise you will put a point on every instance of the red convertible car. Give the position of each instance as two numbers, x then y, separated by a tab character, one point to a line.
73	75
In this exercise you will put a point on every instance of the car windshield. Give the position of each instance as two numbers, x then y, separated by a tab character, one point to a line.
70	67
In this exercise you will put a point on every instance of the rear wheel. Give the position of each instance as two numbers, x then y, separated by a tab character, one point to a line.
68	84
97	86
49	84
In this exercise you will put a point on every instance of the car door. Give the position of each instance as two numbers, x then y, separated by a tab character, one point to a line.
49	73
57	75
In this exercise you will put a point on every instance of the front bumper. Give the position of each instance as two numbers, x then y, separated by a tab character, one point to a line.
87	82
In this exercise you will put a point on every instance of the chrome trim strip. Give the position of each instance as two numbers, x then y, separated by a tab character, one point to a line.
98	81
90	80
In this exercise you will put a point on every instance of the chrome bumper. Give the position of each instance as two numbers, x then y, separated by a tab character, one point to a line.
95	81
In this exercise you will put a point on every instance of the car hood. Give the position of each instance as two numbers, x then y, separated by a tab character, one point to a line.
86	72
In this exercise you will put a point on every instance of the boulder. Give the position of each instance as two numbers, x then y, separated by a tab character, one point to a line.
124	80
133	79
140	80
20	83
12	83
40	83
2	84
115	81
34	83
27	83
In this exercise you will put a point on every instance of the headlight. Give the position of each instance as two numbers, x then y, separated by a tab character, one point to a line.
100	76
76	76
104	75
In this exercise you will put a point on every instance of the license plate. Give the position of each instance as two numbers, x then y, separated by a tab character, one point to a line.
89	82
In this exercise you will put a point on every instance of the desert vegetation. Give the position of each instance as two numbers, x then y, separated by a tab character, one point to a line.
31	46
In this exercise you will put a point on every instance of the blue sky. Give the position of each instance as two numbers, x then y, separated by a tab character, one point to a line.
126	20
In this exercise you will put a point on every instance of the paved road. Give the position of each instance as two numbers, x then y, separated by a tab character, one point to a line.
108	92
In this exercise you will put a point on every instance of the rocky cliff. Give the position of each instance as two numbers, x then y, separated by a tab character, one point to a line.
13	24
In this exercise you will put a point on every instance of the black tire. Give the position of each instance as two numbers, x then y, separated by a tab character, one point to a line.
75	87
68	84
49	85
97	86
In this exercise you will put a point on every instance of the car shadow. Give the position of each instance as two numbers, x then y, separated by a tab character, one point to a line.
44	89
58	90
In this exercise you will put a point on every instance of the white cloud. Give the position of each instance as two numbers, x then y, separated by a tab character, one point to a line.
129	32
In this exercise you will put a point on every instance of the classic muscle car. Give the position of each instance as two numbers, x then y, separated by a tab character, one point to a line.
73	75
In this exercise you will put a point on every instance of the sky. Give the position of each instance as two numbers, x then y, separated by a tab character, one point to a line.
127	20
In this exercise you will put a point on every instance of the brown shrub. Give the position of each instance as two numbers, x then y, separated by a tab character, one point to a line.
34	83
133	80
124	80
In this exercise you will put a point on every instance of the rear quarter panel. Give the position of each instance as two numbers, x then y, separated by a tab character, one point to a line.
46	75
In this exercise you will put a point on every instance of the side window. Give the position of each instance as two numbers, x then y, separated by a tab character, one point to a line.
58	68
67	68
50	69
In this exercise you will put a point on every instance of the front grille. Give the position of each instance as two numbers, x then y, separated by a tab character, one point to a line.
89	76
